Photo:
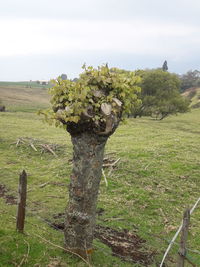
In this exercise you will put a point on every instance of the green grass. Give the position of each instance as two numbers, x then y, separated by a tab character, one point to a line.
156	178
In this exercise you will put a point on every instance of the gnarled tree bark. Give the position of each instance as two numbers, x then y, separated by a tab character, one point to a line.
88	149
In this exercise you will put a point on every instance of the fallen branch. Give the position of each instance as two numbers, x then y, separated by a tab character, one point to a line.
44	184
36	144
18	141
112	164
51	196
33	147
104	176
47	147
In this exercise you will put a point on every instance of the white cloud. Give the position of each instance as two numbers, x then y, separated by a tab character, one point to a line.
49	36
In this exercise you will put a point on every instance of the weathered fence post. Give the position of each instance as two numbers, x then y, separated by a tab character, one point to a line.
21	201
184	234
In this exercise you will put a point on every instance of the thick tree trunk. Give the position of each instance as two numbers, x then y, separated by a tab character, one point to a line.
83	192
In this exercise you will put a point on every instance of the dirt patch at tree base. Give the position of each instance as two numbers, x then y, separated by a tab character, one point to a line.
9	199
124	244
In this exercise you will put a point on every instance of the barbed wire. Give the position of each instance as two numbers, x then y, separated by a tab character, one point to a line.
177	233
58	229
104	251
34	213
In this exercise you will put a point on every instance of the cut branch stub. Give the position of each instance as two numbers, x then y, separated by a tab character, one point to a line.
86	115
98	93
117	102
109	124
59	113
67	108
106	109
88	112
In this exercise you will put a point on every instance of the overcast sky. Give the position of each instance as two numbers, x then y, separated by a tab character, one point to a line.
41	39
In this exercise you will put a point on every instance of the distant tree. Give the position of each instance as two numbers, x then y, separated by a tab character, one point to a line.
160	95
190	79
75	80
164	66
44	82
63	76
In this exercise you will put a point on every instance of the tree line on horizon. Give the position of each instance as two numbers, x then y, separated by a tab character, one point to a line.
187	80
160	94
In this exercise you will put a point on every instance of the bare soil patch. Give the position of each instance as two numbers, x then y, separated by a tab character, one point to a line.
124	244
9	199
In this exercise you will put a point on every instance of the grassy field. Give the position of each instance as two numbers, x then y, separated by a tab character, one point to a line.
18	98
156	178
194	96
26	84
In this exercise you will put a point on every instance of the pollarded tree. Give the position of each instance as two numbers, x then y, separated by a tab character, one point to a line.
90	109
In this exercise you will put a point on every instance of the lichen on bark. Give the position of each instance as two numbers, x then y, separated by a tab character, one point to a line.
88	152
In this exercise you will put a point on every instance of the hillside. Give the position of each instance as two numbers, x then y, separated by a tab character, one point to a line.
25	84
21	98
155	179
193	94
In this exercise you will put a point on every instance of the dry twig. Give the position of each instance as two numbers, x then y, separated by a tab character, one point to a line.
104	176
33	147
25	257
44	184
164	216
48	148
67	250
34	144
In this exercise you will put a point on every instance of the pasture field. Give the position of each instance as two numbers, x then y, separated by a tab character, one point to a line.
156	178
23	84
20	98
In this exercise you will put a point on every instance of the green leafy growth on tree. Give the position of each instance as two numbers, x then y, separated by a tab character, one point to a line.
97	94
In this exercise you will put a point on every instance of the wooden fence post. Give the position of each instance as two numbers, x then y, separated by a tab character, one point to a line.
21	201
184	234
